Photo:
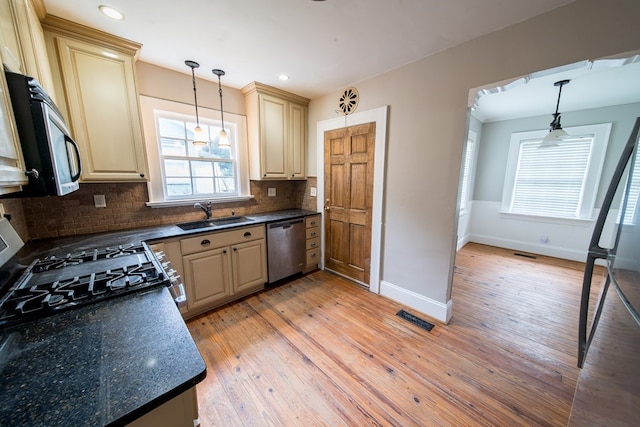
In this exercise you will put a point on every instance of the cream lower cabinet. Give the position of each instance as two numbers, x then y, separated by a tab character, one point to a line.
277	132
95	82
181	411
220	267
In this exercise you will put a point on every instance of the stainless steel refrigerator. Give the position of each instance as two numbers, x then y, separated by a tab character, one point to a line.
608	389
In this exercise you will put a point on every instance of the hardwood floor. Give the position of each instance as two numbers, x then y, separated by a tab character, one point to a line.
321	350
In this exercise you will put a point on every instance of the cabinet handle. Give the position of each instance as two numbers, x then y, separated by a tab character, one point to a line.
205	242
235	249
224	251
33	172
141	175
313	245
313	234
247	234
313	255
313	223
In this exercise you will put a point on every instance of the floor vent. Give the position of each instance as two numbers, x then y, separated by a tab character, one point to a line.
415	320
525	255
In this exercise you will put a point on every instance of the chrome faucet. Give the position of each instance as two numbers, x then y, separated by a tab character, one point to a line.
207	210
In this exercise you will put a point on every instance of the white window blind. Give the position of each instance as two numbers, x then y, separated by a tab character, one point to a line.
465	190
550	181
560	181
634	194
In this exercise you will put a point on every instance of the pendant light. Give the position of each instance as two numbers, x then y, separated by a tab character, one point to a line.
224	139
199	137
556	133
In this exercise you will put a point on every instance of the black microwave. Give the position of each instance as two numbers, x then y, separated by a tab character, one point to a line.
50	155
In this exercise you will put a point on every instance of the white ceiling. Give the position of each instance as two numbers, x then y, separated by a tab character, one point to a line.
593	84
324	46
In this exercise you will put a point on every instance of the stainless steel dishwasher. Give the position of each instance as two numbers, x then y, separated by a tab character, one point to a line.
285	248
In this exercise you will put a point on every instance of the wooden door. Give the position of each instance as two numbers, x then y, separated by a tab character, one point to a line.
348	159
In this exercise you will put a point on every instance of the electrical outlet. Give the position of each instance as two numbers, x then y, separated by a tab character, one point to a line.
544	239
314	191
272	192
99	201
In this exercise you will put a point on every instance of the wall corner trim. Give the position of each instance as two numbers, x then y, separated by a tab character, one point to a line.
438	310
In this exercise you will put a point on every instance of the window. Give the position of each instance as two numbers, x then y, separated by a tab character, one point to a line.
465	187
193	171
180	172
559	181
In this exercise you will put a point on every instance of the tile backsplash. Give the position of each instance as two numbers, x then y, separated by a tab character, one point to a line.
75	213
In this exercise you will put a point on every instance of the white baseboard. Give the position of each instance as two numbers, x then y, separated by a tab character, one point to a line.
461	242
432	308
548	250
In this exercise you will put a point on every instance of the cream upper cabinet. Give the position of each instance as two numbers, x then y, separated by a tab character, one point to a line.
277	132
23	48
95	74
11	53
12	169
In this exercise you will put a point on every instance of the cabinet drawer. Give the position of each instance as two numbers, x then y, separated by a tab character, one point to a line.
313	256
313	232
313	221
223	238
313	243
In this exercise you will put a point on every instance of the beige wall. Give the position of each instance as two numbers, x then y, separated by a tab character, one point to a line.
427	119
168	84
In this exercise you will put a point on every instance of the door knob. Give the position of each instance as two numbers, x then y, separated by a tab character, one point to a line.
326	205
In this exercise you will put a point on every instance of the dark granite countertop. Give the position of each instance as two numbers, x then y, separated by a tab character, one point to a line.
102	364
107	363
43	247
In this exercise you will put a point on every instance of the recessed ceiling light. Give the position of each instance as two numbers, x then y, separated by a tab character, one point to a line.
111	12
283	77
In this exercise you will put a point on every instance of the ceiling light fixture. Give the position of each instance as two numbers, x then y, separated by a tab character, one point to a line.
224	139
111	12
199	137
283	77
556	133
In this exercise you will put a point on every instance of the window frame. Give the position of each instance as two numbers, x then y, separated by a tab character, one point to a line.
468	169
151	109
600	133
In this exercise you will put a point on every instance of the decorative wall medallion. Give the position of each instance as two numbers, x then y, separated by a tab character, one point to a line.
349	100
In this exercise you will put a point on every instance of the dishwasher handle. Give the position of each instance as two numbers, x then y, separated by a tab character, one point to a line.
285	224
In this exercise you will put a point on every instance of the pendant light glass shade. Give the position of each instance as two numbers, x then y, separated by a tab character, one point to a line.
199	136
556	134
223	140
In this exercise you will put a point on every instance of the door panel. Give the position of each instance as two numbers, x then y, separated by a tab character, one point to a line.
349	156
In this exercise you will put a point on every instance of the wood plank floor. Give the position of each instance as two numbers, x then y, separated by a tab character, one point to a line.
321	350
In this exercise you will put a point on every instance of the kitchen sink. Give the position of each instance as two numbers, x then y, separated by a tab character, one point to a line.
214	222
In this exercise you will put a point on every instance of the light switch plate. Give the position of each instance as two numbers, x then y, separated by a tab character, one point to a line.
272	192
99	201
314	192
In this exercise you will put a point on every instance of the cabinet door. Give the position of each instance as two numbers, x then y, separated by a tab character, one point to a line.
11	164
297	141
99	85
34	51
11	53
273	136
249	265
207	277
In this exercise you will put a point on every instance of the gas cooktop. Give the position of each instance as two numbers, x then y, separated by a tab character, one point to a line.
58	283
